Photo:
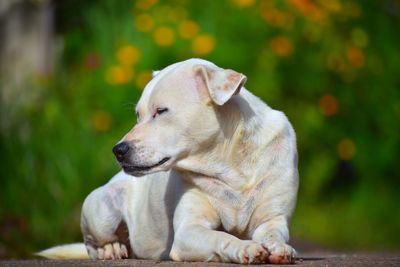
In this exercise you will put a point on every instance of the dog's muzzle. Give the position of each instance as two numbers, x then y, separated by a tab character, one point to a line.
123	151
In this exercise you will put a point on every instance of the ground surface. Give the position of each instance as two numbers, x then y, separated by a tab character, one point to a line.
307	259
309	254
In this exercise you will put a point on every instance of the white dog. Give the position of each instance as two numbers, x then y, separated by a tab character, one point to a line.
210	174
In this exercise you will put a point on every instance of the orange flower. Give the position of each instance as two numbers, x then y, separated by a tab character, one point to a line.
309	9
188	29
281	46
203	44
276	18
143	78
144	23
243	3
355	56
346	149
328	105
333	6
164	36
101	121
145	4
128	55
119	75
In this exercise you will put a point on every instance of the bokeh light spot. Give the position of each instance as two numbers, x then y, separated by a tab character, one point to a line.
243	3
308	9
144	23
328	105
281	46
101	121
128	55
143	78
346	149
188	29
145	4
355	56
203	44
333	6
117	75
275	17
164	36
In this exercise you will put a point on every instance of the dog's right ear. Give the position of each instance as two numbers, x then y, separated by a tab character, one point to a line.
221	84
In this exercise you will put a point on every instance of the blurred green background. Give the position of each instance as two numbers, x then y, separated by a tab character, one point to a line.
71	72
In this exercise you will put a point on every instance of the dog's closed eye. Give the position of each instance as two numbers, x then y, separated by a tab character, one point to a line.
160	111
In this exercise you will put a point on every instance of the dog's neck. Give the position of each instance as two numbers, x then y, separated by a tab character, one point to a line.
235	156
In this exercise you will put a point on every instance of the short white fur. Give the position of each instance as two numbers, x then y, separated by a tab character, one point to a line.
226	194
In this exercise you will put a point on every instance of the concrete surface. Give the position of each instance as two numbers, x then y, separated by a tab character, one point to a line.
310	259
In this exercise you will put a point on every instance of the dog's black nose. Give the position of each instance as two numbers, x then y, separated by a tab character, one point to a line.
120	150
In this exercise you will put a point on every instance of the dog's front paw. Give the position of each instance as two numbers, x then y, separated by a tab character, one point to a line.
253	253
112	251
280	253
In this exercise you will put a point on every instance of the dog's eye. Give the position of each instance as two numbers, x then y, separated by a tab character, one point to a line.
137	115
160	111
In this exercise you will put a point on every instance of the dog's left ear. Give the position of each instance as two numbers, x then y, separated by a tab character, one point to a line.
154	73
221	84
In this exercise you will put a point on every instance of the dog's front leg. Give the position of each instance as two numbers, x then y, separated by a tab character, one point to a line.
196	239
102	225
274	235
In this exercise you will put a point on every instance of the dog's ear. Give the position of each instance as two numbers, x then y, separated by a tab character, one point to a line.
221	84
154	73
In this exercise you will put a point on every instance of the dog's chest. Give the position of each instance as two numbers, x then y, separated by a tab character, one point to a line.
234	218
234	208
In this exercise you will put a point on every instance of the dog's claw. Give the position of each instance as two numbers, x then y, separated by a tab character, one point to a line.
124	251
281	253
254	253
112	251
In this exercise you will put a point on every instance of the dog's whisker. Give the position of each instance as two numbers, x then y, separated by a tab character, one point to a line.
129	105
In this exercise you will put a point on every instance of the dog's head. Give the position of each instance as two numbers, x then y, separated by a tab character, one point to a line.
176	115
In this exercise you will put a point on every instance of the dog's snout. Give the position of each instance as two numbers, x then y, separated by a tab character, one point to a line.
120	150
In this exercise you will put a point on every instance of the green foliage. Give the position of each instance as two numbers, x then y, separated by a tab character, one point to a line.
331	66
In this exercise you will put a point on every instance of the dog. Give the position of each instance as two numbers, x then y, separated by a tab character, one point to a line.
209	174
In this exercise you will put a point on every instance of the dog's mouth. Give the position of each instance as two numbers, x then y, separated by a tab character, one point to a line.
135	168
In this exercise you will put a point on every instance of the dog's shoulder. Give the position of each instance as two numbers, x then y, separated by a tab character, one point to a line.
262	122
